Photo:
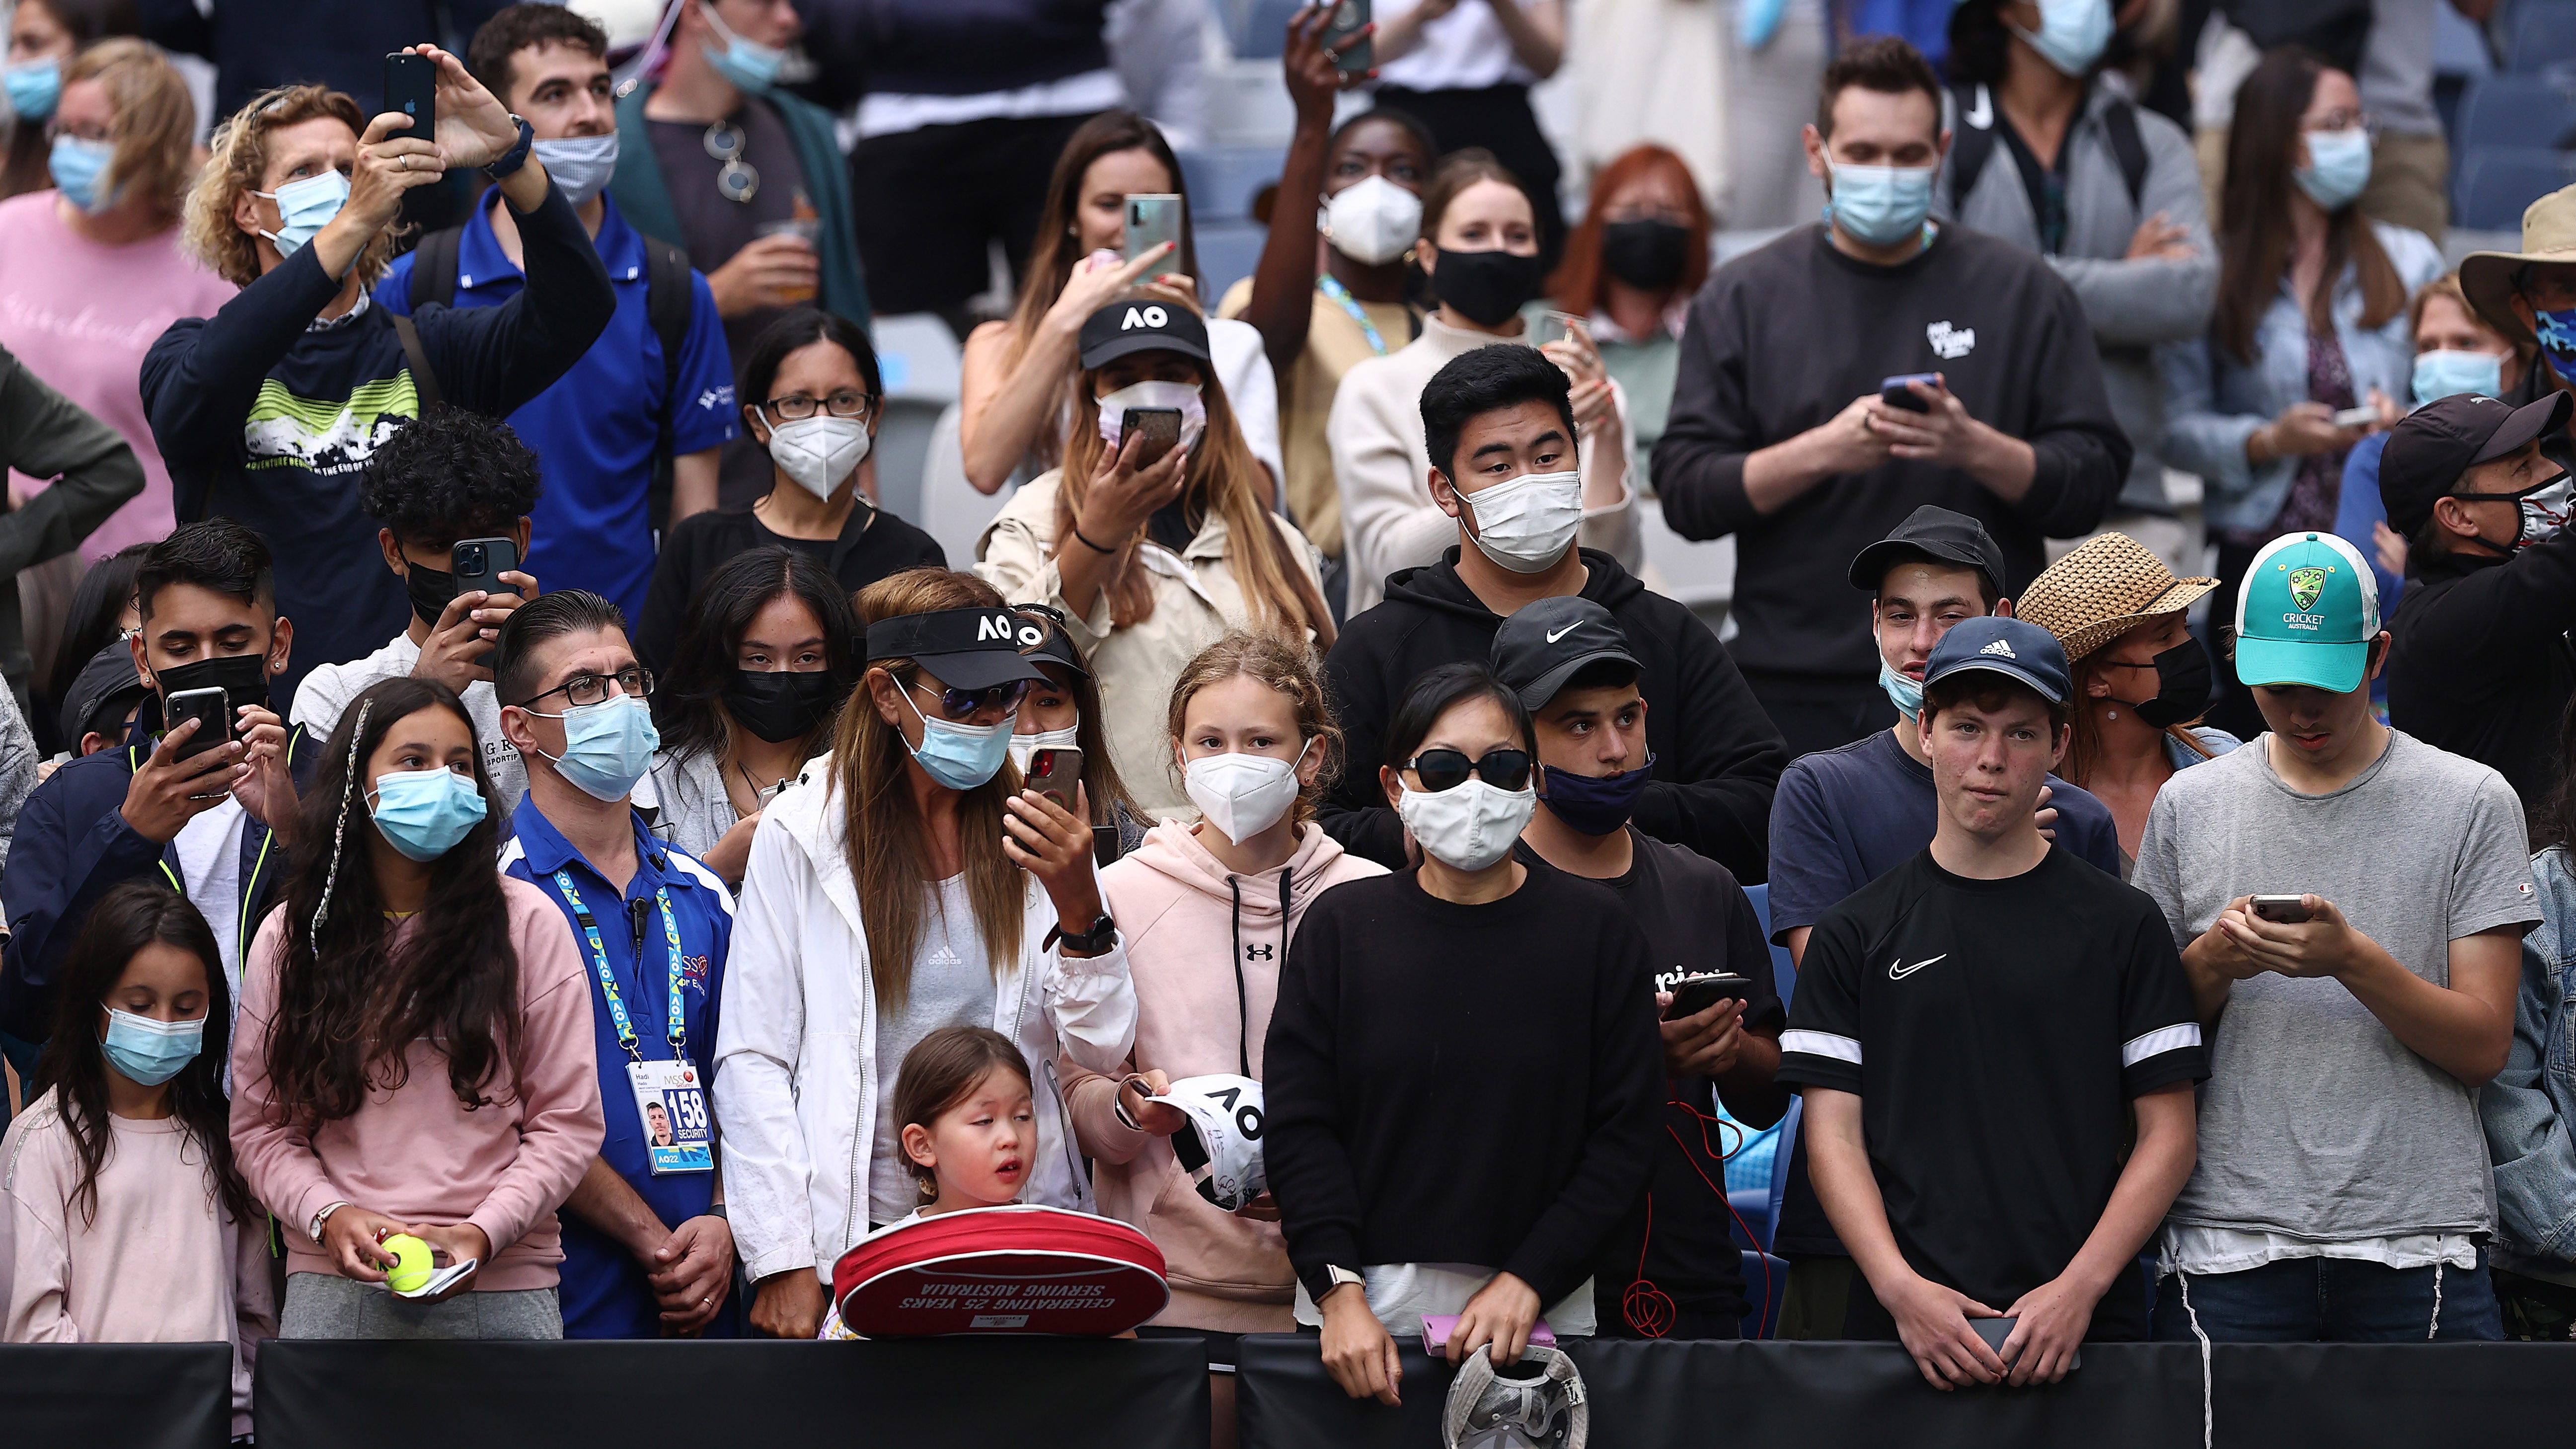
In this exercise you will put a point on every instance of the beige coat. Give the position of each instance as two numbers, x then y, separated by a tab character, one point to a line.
1196	601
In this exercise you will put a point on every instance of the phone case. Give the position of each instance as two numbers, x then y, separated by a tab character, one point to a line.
1436	1328
440	1280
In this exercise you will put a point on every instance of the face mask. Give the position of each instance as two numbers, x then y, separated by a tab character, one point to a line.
2445	372
305	207
1468	826
1374	221
79	167
960	756
2338	167
750	65
779	705
1182	395
147	1052
1024	748
2182	686
2557	333
33	88
1903	689
1880	205
1525	523
1646	254
430	590
1242	795
242	677
1487	288
579	165
2543	512
607	746
1597	804
819	452
423	813
2072	34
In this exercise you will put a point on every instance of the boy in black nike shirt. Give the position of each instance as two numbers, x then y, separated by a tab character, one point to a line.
1972	1029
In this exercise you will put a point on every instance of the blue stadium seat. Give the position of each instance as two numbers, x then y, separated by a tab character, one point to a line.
1223	180
1766	1287
2514	111
2539	34
1228	251
1784	972
2491	186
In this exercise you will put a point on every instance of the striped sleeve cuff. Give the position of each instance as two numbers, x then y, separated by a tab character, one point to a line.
1819	1059
2162	1057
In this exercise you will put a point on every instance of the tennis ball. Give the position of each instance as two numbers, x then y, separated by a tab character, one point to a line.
411	1262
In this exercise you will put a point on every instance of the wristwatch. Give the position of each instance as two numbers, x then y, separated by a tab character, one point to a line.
1102	935
321	1218
516	156
1341	1275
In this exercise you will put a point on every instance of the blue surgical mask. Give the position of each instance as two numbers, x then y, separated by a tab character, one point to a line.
33	88
579	165
1880	205
750	65
1903	690
960	756
1596	804
2338	167
2072	34
2556	330
79	168
423	813
2445	372
305	207
607	746
147	1052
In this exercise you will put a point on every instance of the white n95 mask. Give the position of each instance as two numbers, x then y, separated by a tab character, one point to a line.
1373	222
818	452
1241	795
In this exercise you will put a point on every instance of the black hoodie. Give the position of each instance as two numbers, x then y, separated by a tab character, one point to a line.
1717	755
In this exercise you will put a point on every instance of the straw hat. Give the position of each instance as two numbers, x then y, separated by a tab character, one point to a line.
2097	593
2486	278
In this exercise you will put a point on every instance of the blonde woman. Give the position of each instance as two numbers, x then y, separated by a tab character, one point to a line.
1152	555
269	408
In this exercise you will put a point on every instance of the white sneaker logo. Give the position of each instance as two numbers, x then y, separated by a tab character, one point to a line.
2001	649
1896	972
1561	633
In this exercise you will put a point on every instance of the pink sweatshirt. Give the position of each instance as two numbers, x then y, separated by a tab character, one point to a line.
416	1154
1177	908
161	1262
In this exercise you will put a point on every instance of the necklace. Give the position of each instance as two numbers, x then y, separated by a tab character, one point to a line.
737	182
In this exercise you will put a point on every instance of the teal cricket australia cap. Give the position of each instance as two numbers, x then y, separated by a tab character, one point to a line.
2307	614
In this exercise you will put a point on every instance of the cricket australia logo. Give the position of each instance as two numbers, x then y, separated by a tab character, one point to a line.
2305	585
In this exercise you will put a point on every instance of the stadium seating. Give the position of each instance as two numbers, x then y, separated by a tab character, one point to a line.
2514	111
2491	186
1224	179
2540	34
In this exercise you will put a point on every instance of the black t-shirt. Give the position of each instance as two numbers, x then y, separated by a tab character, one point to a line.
1995	1032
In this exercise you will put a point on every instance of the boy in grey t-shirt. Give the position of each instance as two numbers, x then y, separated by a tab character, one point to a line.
2343	1176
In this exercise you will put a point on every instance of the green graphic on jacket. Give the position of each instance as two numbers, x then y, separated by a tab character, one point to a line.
326	438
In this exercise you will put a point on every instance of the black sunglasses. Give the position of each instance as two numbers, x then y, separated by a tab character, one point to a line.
960	704
1440	770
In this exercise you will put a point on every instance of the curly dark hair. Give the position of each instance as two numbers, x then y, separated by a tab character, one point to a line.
450	474
688	708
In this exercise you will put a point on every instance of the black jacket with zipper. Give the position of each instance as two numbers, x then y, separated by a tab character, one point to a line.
1717	755
2479	661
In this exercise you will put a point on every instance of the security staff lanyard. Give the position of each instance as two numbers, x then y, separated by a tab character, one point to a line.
679	1029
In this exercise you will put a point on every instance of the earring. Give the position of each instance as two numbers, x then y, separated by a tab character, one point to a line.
928	1188
2110	714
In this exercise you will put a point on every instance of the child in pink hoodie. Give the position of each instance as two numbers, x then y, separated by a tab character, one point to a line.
1254	744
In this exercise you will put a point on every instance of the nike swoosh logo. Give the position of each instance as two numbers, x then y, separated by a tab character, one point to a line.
1561	633
1899	973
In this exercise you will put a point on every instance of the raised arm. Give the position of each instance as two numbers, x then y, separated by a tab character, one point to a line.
1283	281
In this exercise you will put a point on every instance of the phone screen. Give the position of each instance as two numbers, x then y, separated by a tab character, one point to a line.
1152	219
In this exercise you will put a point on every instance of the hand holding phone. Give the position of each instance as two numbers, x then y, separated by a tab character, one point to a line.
1350	18
411	89
1695	994
1153	218
2356	417
1055	773
1897	391
1160	428
214	717
2282	910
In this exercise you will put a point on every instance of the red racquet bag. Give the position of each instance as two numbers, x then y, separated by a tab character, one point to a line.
1001	1270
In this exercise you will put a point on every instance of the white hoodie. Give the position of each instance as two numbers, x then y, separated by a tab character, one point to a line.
796	1089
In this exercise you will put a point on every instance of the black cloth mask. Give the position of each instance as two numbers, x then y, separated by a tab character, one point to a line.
1487	288
242	677
1647	253
780	705
2182	686
430	589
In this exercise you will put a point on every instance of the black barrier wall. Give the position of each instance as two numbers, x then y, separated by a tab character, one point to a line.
129	1395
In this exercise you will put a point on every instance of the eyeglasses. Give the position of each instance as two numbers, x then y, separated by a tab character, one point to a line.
1440	770
961	704
796	407
583	690
2343	121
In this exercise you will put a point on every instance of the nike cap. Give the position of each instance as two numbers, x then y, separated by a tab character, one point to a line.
1541	647
2015	647
1935	533
2307	614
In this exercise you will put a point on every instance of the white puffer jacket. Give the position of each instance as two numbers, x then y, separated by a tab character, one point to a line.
796	1054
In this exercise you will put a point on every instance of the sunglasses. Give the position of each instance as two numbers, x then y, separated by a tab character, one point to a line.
961	704
1440	770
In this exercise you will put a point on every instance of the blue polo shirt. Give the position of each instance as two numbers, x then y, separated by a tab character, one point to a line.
593	430
604	1291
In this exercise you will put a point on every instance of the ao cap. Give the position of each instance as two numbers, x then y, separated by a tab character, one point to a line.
2436	443
1058	646
966	648
105	689
2307	614
1936	533
2014	647
1539	648
1142	324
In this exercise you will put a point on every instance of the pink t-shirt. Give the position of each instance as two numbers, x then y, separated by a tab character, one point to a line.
80	314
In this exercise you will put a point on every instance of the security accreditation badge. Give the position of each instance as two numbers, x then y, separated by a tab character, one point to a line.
671	1102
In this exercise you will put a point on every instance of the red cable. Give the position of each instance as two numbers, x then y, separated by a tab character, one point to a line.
1643	1298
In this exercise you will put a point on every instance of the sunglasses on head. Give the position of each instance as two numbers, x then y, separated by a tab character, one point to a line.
960	704
1440	770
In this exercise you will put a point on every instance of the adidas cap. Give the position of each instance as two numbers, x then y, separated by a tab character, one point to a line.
2016	647
2307	614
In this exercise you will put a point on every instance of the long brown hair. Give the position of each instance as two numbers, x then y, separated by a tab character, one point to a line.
1279	664
1577	286
1222	469
2255	236
884	842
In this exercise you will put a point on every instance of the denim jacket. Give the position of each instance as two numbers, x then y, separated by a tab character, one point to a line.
2213	403
2527	1109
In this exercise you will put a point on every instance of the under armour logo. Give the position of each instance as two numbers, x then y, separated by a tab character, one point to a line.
1143	317
1259	953
2000	649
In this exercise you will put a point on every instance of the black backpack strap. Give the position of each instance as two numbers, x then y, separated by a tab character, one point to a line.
424	382
1972	139
433	267
669	298
2120	127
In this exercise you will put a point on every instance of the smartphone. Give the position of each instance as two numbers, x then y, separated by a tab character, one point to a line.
1995	1330
1153	218
411	88
440	1280
1894	391
213	714
1349	17
2358	417
480	562
2281	910
1695	994
1436	1328
1055	774
1159	427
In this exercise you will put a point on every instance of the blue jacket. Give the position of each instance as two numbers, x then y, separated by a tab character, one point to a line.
2528	1107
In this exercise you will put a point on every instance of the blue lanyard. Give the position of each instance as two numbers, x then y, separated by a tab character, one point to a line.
1348	303
608	979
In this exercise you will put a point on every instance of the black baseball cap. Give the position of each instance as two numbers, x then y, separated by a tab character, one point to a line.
2017	648
966	648
1539	648
1935	533
2429	450
101	693
1142	324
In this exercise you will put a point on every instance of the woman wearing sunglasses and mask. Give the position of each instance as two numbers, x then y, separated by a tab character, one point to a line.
924	889
812	396
1509	1008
